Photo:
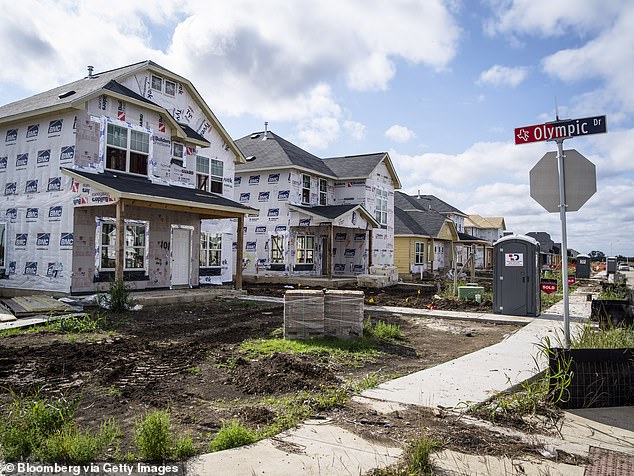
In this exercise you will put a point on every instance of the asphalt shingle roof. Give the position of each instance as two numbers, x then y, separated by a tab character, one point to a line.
425	202
354	166
277	152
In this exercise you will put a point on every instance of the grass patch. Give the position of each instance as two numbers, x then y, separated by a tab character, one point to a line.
382	330
73	324
232	435
344	352
155	439
44	429
196	371
594	338
417	456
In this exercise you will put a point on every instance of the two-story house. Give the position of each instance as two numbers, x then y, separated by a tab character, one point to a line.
110	176
318	217
489	229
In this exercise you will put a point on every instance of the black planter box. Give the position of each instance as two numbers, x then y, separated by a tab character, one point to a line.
599	377
612	312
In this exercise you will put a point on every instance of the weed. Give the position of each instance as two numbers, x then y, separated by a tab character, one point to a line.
417	456
611	338
232	435
184	448
118	298
194	371
153	436
382	330
81	323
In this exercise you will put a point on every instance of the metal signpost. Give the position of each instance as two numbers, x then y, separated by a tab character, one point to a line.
572	172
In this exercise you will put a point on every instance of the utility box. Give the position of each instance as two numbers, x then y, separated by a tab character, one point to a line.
583	266
516	275
611	264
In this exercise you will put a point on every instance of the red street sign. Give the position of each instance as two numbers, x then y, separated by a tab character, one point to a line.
571	280
561	129
548	286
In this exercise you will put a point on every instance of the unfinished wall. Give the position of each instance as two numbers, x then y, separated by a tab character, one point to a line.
86	276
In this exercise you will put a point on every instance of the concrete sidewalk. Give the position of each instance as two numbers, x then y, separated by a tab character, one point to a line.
476	377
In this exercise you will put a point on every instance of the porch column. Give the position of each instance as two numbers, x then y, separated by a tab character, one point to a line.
239	251
120	241
329	250
474	252
370	244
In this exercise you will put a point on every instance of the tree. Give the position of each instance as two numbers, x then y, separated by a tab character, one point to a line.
597	255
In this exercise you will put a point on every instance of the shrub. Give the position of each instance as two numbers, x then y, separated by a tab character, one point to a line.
232	435
184	447
118	298
153	436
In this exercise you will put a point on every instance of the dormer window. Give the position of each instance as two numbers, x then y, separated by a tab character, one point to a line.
157	83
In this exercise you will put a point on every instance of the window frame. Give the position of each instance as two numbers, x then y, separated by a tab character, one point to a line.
152	78
305	189
207	180
302	251
381	205
131	139
277	252
323	192
207	250
165	82
101	225
419	252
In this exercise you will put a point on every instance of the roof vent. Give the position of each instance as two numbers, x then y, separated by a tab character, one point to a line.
255	136
266	130
66	94
90	70
250	158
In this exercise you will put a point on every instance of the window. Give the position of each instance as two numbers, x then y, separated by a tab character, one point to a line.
210	249
306	189
134	250
157	83
277	249
380	212
3	236
209	173
170	88
127	150
305	249
419	252
178	150
323	188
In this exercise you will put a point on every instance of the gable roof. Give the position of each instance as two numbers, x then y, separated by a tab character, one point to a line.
275	152
361	166
425	202
478	221
267	150
332	212
73	95
467	238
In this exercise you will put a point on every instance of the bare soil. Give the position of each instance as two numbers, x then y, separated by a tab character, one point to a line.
186	358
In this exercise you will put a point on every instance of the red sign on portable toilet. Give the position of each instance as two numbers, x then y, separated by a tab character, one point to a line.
571	280
548	285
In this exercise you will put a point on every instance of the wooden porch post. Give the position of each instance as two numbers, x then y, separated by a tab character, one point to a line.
329	250
120	241
239	251
474	252
370	244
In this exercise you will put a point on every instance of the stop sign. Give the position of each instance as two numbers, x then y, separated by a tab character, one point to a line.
580	181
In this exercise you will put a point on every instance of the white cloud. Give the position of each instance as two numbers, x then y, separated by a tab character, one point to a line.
355	129
498	75
398	133
551	18
245	57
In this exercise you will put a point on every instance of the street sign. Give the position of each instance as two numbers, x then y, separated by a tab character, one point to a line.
561	129
580	181
548	285
572	280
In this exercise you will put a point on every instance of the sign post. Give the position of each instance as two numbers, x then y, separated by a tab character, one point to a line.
558	131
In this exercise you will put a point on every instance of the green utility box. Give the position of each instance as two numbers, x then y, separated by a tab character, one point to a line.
469	291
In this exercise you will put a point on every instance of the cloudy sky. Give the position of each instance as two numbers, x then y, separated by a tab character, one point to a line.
440	85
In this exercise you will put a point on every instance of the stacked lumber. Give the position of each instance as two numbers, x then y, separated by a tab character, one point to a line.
343	312
303	314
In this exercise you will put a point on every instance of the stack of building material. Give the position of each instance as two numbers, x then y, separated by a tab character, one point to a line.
372	281
391	272
343	312
303	314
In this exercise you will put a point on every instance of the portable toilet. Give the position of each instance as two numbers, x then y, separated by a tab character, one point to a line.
516	286
611	264
583	266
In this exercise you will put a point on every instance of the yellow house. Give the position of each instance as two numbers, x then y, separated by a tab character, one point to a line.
424	240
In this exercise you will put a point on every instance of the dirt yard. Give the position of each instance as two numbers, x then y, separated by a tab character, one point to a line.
186	358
